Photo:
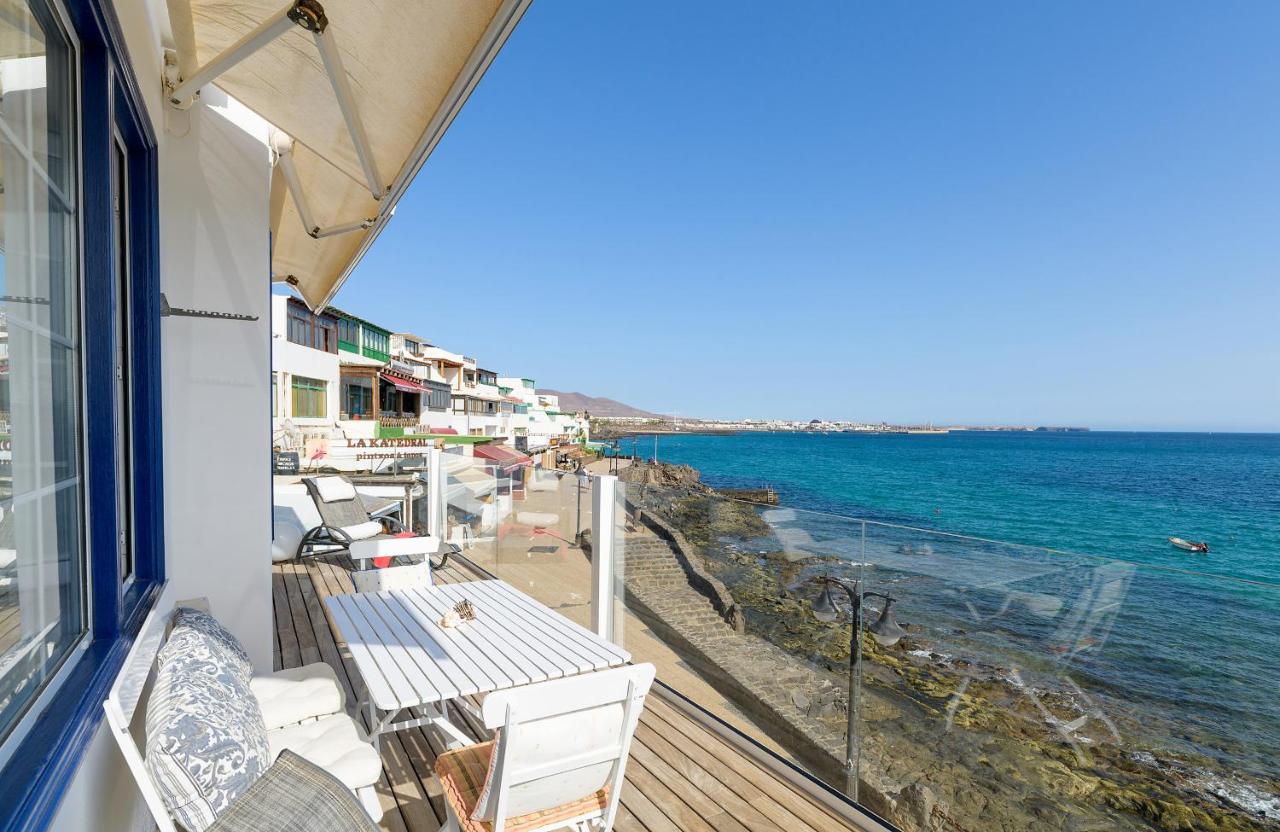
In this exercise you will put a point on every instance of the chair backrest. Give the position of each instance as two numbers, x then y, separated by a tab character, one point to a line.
561	741
345	511
122	704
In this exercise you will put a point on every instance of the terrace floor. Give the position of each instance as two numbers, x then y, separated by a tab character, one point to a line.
681	776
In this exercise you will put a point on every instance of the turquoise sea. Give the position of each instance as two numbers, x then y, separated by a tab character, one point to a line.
1118	495
1190	648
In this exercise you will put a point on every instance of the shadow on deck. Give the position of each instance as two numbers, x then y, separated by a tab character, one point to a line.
681	776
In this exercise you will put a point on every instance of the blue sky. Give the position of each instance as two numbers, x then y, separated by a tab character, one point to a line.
959	212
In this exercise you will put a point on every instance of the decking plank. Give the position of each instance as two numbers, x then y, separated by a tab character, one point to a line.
773	797
681	777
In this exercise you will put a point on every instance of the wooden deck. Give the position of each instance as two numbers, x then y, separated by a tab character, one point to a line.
680	776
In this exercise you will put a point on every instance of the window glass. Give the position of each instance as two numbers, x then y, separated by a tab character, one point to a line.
357	397
42	585
309	396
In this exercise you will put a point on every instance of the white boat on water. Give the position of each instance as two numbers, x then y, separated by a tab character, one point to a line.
1190	546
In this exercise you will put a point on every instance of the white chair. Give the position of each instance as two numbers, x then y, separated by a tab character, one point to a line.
560	755
303	709
411	576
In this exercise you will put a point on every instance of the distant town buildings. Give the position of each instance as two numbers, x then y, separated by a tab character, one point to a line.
344	388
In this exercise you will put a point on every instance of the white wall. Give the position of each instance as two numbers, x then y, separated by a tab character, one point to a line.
214	181
214	184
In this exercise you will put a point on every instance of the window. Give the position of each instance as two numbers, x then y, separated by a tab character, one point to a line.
309	330
376	344
275	396
349	334
42	564
438	396
357	397
309	397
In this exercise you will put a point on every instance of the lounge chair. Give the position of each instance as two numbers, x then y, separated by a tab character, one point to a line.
561	753
345	520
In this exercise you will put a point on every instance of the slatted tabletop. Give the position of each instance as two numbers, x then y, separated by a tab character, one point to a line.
407	659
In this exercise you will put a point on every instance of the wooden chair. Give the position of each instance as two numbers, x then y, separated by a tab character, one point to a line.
557	760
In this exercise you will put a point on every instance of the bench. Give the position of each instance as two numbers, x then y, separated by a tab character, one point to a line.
303	709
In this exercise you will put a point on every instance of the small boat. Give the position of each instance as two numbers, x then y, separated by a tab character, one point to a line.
1190	545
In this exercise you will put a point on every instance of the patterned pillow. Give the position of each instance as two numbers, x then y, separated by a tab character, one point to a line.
206	741
229	647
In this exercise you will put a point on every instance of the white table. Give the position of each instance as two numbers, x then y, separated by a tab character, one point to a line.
408	661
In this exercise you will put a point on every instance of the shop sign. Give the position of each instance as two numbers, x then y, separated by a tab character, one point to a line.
285	462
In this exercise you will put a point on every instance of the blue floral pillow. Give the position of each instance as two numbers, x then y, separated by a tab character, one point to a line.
229	646
206	741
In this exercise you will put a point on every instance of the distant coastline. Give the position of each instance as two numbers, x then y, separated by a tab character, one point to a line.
618	427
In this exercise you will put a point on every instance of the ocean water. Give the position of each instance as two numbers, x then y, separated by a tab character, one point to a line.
1117	495
1184	649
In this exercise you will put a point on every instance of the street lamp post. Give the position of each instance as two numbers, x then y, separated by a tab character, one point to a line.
885	630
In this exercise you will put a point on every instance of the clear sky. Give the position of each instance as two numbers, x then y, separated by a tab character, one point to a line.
1051	213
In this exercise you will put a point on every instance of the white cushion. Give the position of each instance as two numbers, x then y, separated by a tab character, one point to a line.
392	546
290	696
333	744
333	489
360	531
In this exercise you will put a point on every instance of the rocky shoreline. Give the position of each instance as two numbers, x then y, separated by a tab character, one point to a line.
946	743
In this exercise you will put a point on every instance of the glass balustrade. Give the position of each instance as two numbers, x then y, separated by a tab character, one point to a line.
991	685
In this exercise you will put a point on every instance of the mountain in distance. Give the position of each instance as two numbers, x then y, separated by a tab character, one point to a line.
598	406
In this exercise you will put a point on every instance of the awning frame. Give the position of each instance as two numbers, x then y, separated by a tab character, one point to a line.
308	15
183	74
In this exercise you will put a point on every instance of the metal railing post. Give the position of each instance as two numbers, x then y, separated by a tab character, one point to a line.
603	549
437	483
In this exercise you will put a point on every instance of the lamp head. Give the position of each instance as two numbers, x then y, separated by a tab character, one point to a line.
824	608
886	631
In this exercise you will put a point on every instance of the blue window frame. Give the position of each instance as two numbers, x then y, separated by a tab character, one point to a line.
121	436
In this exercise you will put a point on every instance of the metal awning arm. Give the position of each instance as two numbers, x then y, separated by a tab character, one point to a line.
283	147
268	30
346	102
309	15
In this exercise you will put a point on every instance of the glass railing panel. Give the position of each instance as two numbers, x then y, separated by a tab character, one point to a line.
539	545
718	596
1037	688
1008	687
475	505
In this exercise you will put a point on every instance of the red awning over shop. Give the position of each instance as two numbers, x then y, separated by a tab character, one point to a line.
402	384
503	455
443	431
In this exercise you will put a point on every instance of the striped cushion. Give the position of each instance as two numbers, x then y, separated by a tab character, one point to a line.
462	773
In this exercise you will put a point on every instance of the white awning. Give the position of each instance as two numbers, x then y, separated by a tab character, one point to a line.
360	92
